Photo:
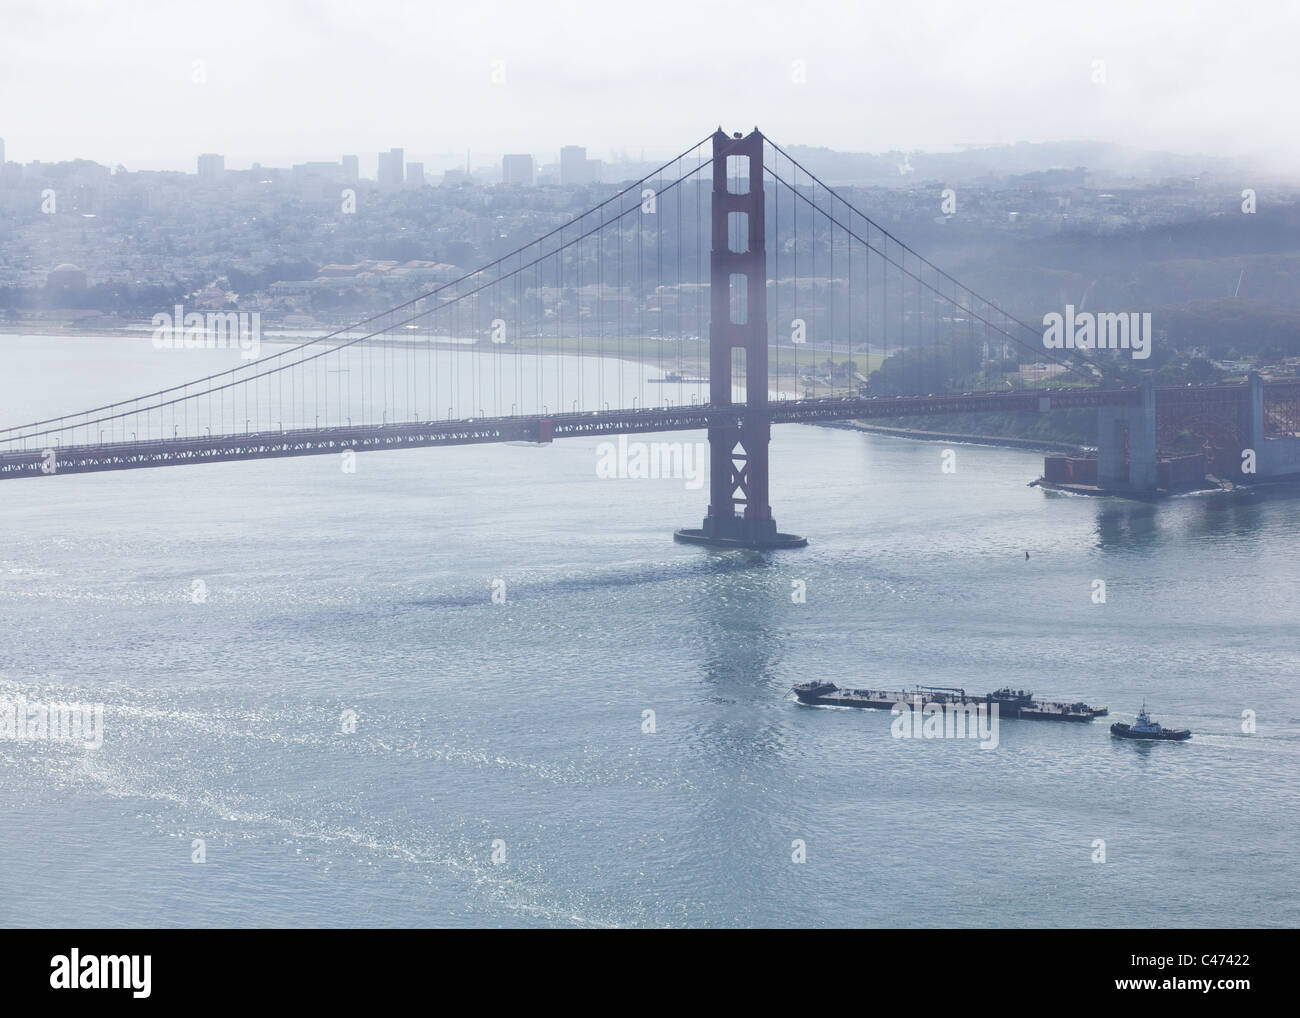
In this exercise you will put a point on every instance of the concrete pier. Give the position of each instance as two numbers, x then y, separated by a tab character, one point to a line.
1126	444
1275	458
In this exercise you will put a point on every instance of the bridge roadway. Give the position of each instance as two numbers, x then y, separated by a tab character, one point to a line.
88	458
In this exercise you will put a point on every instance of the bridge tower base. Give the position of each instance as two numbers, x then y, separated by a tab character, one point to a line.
1126	444
739	513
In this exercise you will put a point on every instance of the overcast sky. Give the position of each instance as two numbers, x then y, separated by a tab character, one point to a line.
286	81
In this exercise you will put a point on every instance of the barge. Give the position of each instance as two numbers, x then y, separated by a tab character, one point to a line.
1012	703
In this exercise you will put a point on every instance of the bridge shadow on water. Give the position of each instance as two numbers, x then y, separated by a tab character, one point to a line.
1128	525
740	643
1213	515
1244	512
742	653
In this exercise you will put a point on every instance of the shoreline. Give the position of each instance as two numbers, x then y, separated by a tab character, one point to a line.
691	359
117	330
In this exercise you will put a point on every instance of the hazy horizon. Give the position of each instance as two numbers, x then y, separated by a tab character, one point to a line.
154	86
439	162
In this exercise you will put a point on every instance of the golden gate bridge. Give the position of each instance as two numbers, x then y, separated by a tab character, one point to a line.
730	261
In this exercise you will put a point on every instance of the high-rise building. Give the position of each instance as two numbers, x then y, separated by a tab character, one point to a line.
351	169
391	168
2	151
573	165
415	175
517	169
211	166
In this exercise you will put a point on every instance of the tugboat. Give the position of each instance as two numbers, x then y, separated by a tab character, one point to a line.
1145	728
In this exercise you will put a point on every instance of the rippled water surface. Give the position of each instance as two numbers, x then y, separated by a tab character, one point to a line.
522	723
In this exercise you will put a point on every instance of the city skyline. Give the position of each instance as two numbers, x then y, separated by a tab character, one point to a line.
380	167
550	168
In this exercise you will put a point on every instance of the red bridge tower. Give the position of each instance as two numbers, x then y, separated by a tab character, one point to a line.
740	515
